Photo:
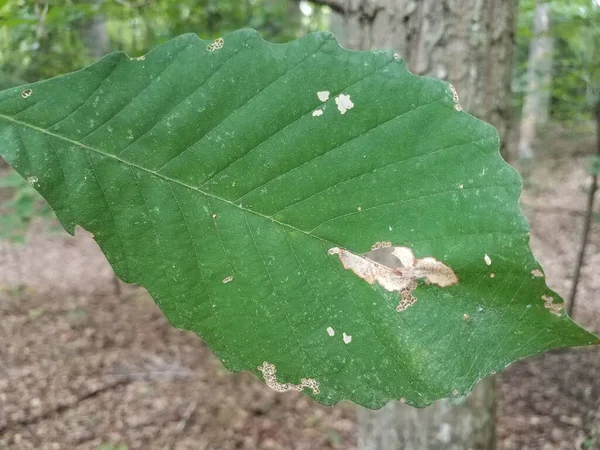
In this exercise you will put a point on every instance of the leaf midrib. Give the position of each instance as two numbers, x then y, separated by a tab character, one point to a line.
161	176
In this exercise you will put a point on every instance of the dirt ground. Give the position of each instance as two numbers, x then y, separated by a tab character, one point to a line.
85	367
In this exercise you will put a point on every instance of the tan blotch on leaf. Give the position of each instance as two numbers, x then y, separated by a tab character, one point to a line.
554	308
217	45
269	374
455	98
402	279
537	273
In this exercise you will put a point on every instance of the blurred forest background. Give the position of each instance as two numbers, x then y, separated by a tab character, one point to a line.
90	363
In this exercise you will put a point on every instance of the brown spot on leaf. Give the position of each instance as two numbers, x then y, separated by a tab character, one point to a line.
269	374
554	308
400	274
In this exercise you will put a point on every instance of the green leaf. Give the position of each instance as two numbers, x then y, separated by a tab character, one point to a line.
219	179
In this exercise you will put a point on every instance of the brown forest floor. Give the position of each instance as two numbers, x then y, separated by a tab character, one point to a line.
81	368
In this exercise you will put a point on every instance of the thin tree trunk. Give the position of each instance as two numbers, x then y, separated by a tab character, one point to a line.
94	33
589	217
470	44
458	424
539	77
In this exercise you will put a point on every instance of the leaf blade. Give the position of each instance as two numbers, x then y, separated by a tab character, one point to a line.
227	218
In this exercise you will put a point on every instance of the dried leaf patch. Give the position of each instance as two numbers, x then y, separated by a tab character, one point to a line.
269	374
217	45
401	279
554	308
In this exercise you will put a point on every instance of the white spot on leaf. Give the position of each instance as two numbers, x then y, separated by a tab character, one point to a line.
330	331
317	113
537	273
228	280
269	374
487	260
26	93
402	279
347	338
323	95
343	103
32	180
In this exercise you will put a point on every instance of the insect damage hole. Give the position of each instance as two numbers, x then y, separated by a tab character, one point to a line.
396	269
269	374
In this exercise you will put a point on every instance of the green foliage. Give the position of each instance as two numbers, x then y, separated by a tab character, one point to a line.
20	203
44	39
237	180
575	28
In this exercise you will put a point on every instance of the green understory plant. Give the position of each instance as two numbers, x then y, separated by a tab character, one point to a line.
320	217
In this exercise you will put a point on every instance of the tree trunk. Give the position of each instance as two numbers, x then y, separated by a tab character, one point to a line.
457	424
539	77
470	44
